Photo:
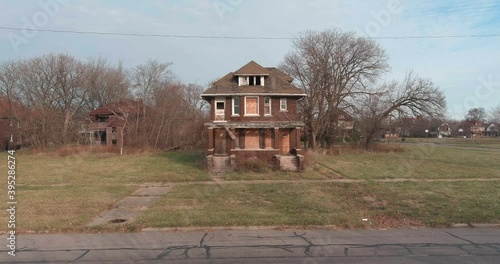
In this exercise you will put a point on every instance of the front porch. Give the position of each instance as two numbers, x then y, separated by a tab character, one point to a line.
263	141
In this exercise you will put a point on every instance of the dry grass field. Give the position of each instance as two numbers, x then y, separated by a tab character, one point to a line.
447	185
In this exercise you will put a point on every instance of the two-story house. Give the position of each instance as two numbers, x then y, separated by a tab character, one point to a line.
254	115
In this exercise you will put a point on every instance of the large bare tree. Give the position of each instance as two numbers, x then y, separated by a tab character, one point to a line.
414	96
495	115
476	114
331	66
56	92
106	83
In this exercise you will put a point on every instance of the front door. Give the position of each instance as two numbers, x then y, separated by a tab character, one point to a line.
220	142
220	109
285	142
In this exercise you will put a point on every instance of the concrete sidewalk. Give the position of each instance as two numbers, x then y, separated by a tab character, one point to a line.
478	245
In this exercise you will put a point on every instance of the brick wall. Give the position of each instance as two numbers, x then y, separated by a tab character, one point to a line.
277	115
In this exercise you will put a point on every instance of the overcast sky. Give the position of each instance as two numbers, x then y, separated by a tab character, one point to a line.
467	69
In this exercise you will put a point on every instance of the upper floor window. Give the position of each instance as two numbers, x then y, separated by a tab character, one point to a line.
251	105
220	105
236	105
251	80
283	104
102	118
267	105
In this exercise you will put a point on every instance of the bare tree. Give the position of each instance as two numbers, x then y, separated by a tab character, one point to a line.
8	78
37	92
71	94
106	84
415	96
331	67
57	91
147	79
495	115
476	114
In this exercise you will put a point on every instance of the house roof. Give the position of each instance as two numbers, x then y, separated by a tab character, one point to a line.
444	127
252	68
276	83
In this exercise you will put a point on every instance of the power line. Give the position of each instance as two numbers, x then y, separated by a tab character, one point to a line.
144	35
235	37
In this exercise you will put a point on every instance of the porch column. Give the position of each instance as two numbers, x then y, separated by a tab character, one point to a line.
276	138
236	139
298	131
210	140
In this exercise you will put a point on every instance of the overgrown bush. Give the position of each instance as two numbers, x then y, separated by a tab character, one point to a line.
254	165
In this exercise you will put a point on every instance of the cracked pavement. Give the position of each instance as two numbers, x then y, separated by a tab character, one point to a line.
478	245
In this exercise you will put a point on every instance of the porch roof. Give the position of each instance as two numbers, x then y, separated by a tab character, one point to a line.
254	124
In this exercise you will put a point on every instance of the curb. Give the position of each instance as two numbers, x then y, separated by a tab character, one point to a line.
221	228
325	227
479	225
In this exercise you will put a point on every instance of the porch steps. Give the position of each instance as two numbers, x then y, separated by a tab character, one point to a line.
289	163
221	165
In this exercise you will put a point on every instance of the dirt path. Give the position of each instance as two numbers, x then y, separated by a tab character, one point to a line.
336	181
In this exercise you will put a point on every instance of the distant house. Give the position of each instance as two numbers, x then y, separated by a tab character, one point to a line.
476	129
444	131
401	127
254	116
107	122
345	124
492	131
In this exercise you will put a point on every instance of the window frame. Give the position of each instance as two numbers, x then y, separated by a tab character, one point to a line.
236	99
258	101
270	106
286	104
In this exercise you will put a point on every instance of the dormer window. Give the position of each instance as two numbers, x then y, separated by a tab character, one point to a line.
251	80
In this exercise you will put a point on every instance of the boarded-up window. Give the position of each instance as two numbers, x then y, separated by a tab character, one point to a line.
252	140
251	105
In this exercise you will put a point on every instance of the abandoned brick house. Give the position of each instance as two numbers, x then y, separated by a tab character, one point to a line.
106	123
254	116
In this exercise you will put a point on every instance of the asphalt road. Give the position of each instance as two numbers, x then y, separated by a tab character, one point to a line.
477	245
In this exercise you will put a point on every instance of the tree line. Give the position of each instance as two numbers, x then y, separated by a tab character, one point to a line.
50	97
339	71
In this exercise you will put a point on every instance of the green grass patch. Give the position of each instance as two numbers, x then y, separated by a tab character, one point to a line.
313	172
342	205
420	162
466	142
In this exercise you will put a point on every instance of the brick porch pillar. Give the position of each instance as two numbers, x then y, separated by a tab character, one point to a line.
276	138
298	132
237	138
210	141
